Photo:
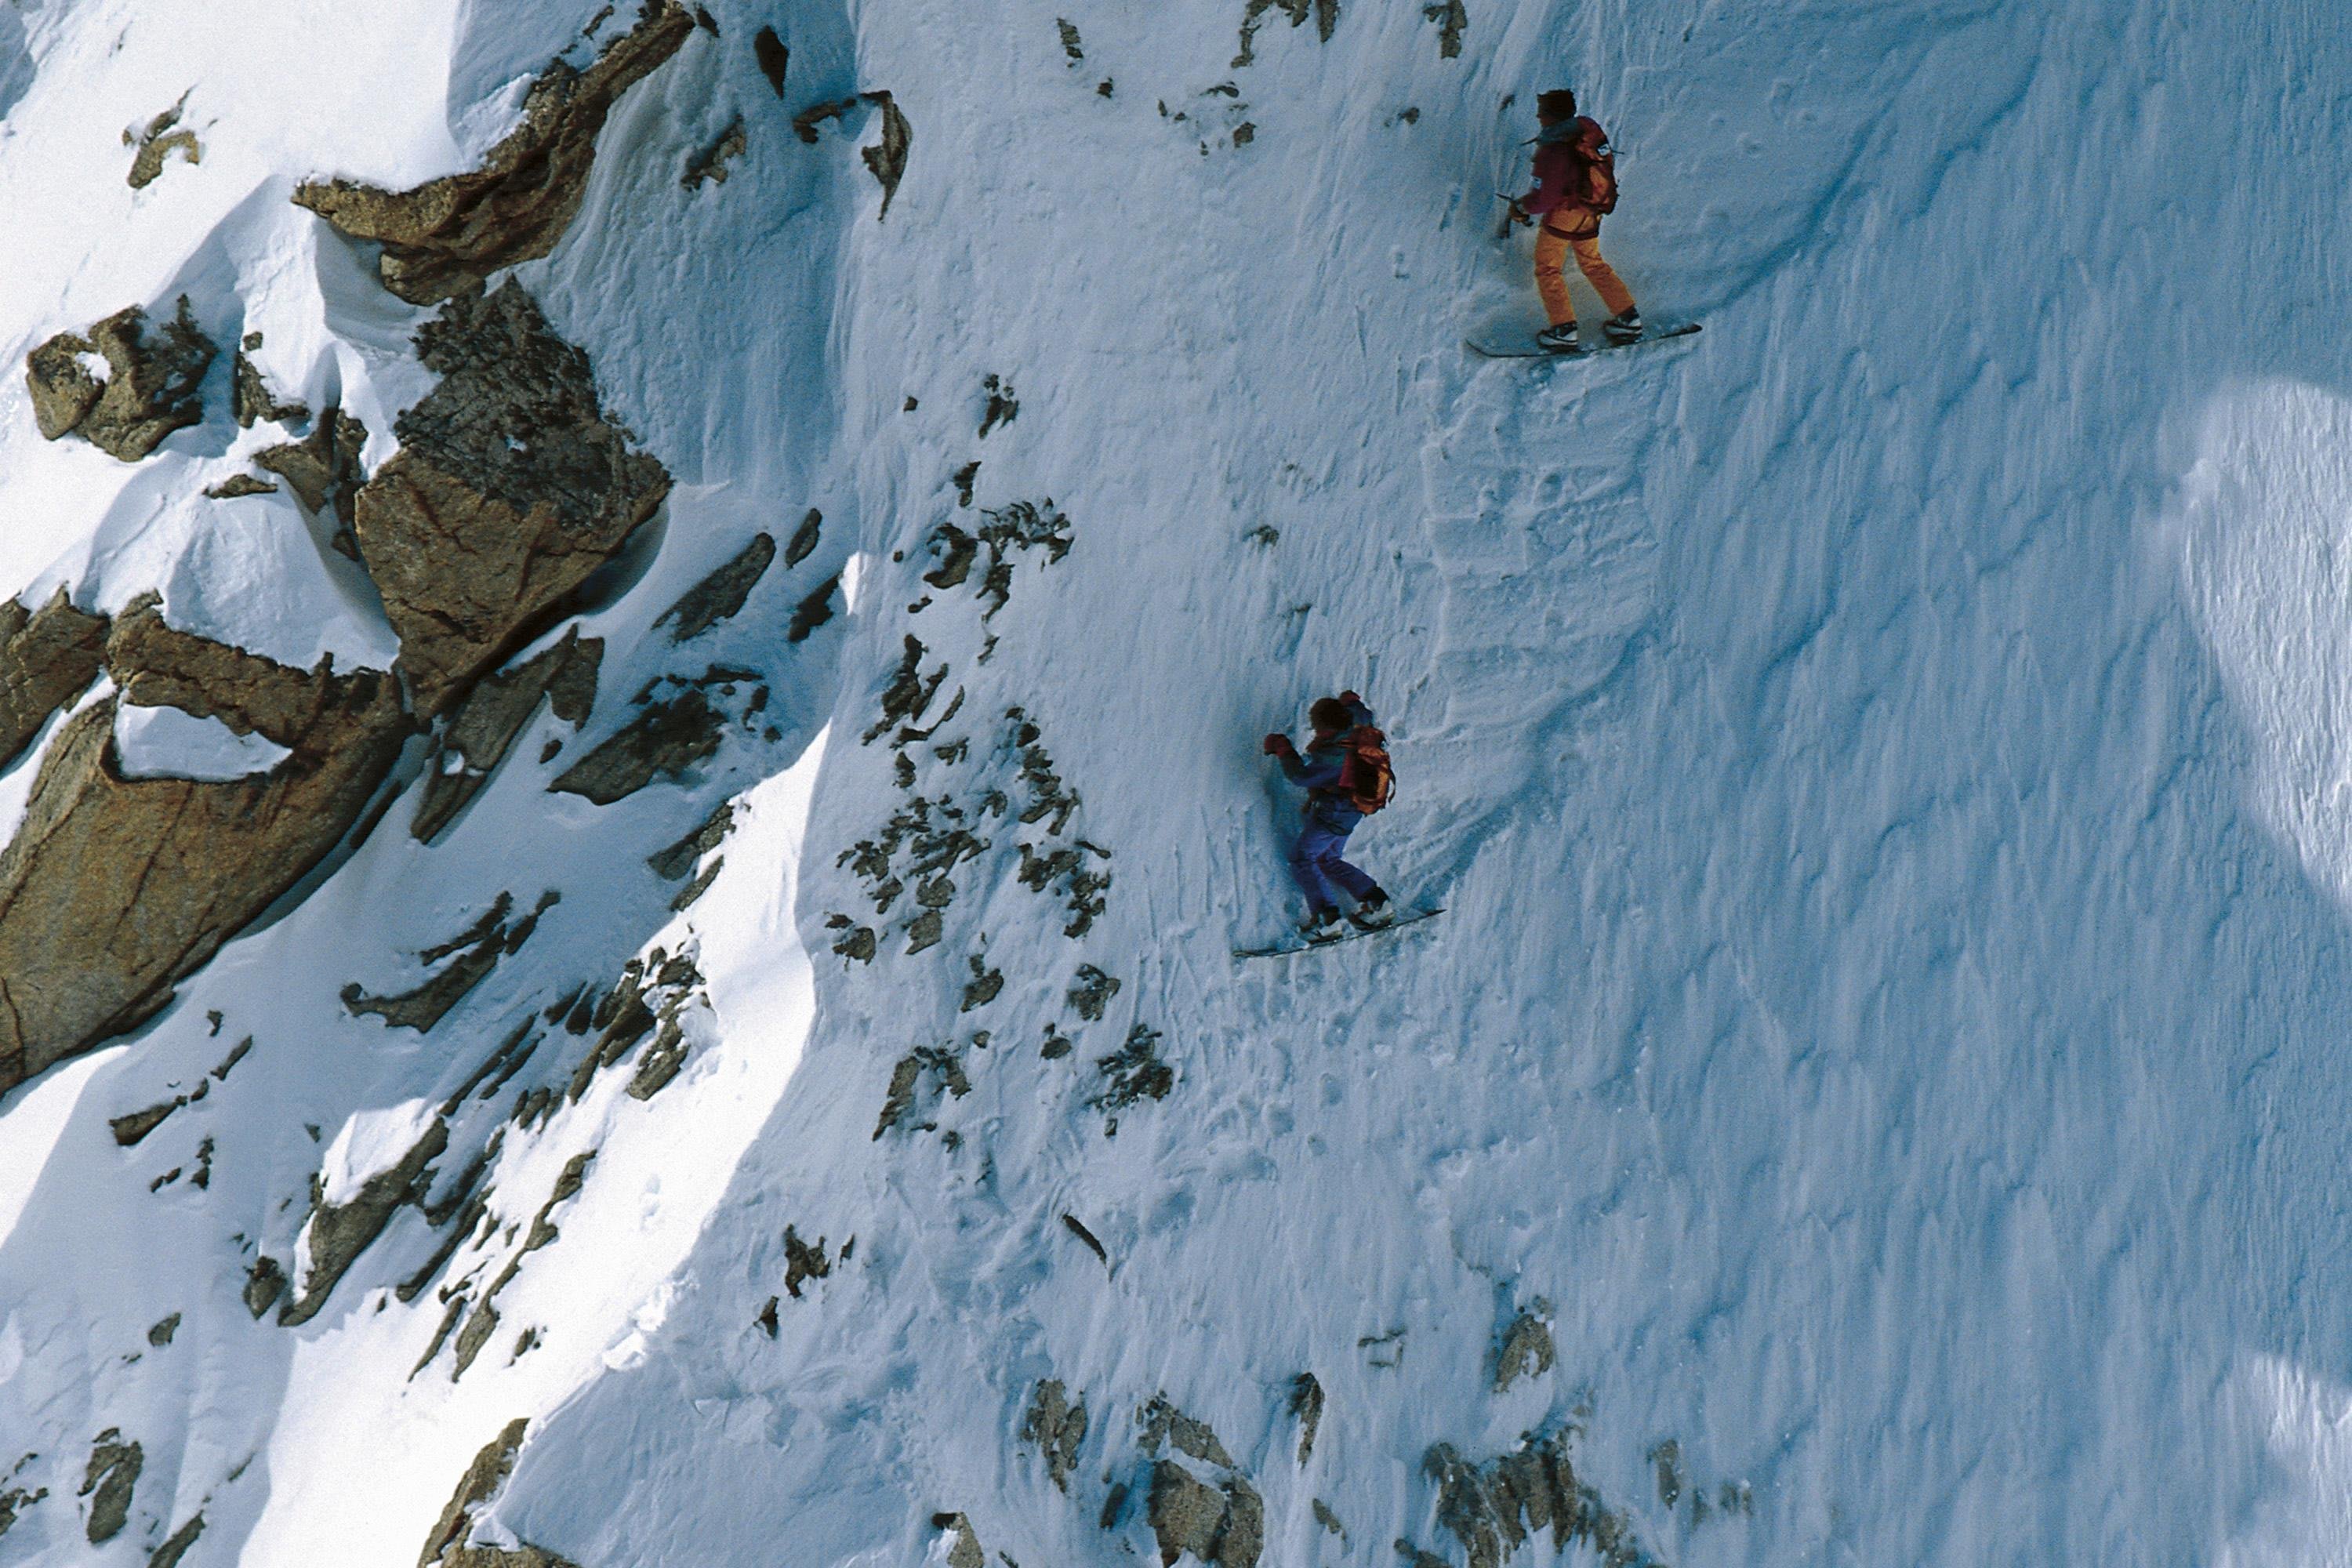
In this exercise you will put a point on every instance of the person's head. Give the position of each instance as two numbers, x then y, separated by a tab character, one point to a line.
1330	716
1553	107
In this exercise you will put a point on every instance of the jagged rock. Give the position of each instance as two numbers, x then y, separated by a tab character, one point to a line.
1187	1514
1306	1404
1525	1351
1451	19
1329	1521
114	1467
448	236
46	659
484	1322
158	141
813	612
1134	1073
250	399
1327	17
964	1551
509	489
161	1334
1057	1427
802	1262
675	861
666	739
1070	44
772	57
804	537
886	159
710	165
153	388
129	1129
477	952
480	1482
493	713
237	485
15	1500
1162	1423
339	1233
114	889
324	466
721	594
1492	1509
264	1283
176	1546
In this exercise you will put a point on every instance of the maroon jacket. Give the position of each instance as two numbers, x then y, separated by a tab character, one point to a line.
1566	157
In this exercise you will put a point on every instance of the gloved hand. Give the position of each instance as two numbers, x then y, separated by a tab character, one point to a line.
1276	745
1520	214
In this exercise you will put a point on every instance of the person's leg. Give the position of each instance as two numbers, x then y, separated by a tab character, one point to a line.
1552	250
1314	846
1337	870
1601	275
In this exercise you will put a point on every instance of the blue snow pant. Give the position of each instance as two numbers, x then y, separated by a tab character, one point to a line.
1314	861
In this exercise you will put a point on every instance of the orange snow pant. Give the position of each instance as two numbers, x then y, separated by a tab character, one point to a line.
1549	245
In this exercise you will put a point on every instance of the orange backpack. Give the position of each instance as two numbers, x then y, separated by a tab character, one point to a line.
1367	778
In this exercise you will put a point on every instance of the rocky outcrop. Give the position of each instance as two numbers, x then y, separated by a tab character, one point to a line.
720	594
1058	1427
473	953
509	489
323	466
113	1472
484	726
1494	1508
1224	1526
665	740
1526	1349
339	1233
116	887
160	138
250	399
152	385
47	658
445	238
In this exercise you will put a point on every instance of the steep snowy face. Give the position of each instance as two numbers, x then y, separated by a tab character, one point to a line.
629	715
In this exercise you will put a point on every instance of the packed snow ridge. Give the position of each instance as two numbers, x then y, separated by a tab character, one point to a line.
633	658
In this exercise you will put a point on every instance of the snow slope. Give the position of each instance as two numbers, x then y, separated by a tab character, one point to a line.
1882	759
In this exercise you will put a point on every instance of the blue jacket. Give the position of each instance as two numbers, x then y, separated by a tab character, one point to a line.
1318	771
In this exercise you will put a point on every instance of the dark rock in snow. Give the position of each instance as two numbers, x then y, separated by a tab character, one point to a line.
264	1283
508	489
720	594
250	399
665	740
710	165
339	1233
774	57
159	140
239	485
477	952
114	1467
47	658
323	466
176	1545
1057	1425
1225	1527
886	159
152	386
1525	1350
485	724
448	236
115	888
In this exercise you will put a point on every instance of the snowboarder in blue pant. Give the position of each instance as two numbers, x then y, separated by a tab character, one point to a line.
1345	773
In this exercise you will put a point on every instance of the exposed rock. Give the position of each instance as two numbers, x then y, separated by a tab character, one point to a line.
509	489
805	123
161	1334
1070	44
675	861
15	1501
448	236
1133	1072
168	1556
1451	19
710	165
154	385
769	50
158	141
1492	1509
1525	1352
661	1061
964	1550
129	1129
888	158
114	1467
1077	1228
802	1262
1326	13
484	1322
477	952
237	485
480	1482
1058	1427
324	466
1329	1521
492	714
721	594
666	738
940	1064
264	1283
1162	1423
813	612
46	659
250	399
804	537
114	888
1307	1405
1187	1514
1003	407
339	1233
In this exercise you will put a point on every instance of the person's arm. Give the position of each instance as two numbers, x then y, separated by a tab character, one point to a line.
1357	705
1553	167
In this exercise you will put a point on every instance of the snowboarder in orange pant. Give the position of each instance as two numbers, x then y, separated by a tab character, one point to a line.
1575	183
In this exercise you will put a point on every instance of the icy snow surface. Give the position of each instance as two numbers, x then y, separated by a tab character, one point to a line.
1887	762
164	742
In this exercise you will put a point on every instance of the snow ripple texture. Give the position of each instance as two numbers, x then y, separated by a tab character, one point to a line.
1884	762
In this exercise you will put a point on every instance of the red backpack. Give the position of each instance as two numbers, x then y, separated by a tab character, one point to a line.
1367	778
1599	161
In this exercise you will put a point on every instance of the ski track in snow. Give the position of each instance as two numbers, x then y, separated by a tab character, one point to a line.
1884	763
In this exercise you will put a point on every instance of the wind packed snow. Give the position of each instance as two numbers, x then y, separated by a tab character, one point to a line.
1884	762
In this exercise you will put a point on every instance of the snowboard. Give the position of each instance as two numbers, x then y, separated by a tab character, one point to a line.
1352	933
1529	351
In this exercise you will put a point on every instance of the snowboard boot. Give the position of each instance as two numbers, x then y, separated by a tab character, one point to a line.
1321	925
1621	330
1559	339
1372	911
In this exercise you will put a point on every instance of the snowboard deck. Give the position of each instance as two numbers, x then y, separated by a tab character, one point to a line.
1655	335
1351	934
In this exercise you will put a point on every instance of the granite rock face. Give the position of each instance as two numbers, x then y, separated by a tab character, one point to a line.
115	888
509	490
446	238
152	385
47	658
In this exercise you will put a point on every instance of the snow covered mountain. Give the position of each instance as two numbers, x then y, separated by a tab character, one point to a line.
629	704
